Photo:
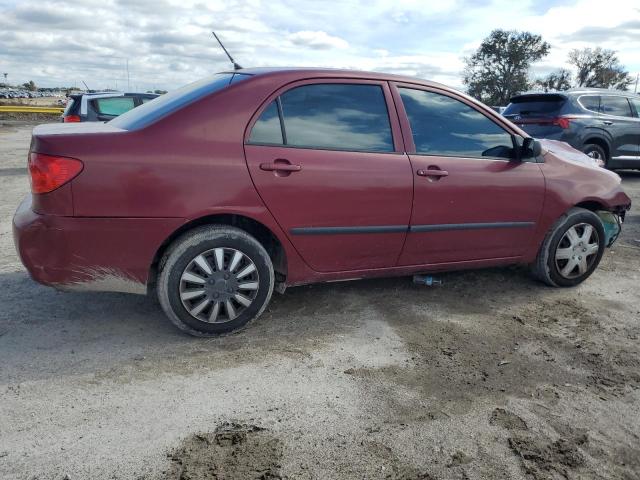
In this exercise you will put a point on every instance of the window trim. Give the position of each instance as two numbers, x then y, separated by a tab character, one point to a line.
396	132
408	132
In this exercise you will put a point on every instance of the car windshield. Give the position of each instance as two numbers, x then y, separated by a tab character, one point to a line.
531	105
154	110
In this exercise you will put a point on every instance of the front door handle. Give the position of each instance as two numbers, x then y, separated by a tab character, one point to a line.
432	172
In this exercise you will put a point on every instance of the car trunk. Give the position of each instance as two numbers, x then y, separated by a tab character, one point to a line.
60	142
538	115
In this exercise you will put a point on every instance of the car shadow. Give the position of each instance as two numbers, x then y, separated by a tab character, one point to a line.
627	175
44	332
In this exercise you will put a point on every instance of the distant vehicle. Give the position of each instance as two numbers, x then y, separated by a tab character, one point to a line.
217	193
604	124
102	106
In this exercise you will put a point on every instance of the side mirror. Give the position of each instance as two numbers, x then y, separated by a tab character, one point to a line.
530	148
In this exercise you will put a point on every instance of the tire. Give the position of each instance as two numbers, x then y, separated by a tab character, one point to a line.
551	266
191	277
596	152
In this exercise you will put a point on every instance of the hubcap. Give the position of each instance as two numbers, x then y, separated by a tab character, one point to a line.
218	285
595	155
577	250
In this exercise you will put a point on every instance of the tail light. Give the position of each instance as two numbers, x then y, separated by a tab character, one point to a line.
562	122
48	172
71	118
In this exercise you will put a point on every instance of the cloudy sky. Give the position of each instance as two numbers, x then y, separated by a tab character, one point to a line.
167	42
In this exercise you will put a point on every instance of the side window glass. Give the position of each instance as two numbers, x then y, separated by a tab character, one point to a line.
590	102
445	126
351	117
267	129
114	105
636	104
618	106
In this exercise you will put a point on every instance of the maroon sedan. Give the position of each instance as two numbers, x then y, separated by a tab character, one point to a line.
218	193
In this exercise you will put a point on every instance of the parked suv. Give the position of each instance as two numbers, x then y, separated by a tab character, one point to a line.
102	106
604	124
216	194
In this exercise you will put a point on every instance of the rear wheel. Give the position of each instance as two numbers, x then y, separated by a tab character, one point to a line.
215	280
571	250
596	152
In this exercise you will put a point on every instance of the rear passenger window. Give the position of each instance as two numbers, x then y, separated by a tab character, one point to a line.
618	106
334	116
267	130
114	105
445	126
590	102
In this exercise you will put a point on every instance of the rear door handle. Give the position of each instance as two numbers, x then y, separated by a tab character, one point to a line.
432	172
280	167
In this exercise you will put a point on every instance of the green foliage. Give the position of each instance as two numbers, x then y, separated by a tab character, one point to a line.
555	81
599	68
30	85
499	68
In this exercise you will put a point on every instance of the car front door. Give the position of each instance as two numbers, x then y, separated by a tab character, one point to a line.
327	160
472	200
618	120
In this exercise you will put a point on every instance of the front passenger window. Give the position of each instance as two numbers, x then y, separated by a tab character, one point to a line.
445	126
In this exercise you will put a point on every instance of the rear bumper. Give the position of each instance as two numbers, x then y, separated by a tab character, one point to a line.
102	254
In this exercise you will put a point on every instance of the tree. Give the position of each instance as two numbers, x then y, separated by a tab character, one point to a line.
555	81
498	69
30	85
599	68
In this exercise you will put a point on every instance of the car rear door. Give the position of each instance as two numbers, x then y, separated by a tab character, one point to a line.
327	159
471	201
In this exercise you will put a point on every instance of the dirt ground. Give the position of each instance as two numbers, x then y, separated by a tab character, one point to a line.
489	376
33	102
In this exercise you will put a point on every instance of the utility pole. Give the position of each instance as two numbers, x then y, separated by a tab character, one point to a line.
635	90
128	84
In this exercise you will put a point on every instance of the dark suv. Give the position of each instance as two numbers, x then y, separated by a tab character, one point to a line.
604	124
102	106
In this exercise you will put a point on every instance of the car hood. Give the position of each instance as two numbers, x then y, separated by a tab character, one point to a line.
566	152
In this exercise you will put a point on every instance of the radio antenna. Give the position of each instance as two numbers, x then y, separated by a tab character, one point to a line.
235	65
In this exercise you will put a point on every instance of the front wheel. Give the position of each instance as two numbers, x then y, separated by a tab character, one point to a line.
571	250
215	280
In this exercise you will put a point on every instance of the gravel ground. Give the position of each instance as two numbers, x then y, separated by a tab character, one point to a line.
488	376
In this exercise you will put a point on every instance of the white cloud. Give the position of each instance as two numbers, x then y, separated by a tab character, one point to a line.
168	42
317	40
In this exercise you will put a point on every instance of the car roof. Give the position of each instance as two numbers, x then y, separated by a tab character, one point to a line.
575	92
306	72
